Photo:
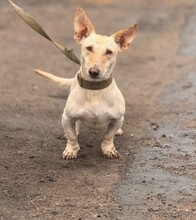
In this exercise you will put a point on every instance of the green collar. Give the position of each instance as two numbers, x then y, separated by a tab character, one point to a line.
92	85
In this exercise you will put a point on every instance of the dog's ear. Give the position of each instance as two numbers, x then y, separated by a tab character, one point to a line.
124	37
83	27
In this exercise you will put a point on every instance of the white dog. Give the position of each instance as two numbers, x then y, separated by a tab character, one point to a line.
94	98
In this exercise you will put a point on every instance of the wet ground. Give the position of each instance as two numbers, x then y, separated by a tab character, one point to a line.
155	177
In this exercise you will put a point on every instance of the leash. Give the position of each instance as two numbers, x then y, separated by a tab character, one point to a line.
28	19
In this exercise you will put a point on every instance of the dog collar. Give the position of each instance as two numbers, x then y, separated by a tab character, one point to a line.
92	85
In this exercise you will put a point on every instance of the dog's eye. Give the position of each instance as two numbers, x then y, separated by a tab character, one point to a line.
108	52
89	48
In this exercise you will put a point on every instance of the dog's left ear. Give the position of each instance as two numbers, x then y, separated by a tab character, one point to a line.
124	37
83	26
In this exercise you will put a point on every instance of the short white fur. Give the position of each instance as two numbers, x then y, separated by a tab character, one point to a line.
98	109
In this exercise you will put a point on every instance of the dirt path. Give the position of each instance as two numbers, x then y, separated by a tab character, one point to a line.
155	177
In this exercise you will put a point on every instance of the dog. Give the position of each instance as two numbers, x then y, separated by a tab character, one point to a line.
94	99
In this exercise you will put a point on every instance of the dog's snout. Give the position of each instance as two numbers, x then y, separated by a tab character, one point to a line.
94	72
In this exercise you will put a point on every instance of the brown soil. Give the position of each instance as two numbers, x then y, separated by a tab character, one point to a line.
155	175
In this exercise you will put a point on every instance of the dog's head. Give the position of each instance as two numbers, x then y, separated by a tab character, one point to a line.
98	55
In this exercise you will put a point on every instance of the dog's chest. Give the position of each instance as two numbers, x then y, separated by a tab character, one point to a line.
96	115
96	109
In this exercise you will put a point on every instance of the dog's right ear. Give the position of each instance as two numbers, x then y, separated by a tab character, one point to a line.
83	26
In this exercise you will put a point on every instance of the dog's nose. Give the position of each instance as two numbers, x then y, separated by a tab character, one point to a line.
94	72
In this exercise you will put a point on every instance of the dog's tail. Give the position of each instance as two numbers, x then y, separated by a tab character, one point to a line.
60	80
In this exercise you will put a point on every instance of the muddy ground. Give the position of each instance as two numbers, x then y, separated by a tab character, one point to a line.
155	177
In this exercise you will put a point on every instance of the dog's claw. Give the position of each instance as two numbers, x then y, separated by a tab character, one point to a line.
69	154
111	154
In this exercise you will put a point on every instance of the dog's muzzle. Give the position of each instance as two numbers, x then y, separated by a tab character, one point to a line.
94	73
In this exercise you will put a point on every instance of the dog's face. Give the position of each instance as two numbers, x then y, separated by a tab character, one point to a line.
98	54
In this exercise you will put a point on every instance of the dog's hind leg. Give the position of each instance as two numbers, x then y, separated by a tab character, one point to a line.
119	132
78	123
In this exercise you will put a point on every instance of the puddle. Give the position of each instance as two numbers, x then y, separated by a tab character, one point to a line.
168	167
158	169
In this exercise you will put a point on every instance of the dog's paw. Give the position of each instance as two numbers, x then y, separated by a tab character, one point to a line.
119	132
110	154
65	136
70	152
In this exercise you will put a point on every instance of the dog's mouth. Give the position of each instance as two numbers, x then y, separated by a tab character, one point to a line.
94	77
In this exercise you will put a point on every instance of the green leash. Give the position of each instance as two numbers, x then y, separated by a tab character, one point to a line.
28	19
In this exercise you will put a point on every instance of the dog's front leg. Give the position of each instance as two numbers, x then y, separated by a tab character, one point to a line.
72	148
107	147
